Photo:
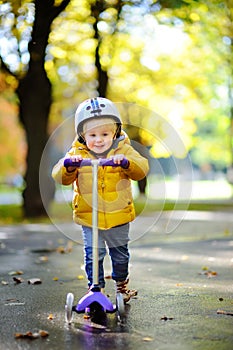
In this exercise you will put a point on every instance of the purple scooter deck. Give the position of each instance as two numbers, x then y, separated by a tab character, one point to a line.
94	297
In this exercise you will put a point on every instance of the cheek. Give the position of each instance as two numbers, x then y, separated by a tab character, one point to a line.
88	141
110	139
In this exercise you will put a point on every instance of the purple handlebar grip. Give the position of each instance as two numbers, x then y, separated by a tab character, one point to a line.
109	162
102	162
84	162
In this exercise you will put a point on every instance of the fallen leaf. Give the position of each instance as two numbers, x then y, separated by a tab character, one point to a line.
31	335
5	283
210	274
34	281
80	277
43	258
18	280
18	272
222	312
86	317
55	278
50	317
147	339
61	250
28	335
43	333
18	335
14	303
67	249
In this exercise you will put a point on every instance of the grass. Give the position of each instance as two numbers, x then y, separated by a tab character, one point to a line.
62	212
10	214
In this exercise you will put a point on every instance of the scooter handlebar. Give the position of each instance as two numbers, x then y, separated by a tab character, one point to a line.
101	161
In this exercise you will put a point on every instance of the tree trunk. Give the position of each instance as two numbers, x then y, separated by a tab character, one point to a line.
34	92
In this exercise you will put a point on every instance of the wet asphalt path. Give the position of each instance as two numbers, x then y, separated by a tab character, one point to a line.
184	277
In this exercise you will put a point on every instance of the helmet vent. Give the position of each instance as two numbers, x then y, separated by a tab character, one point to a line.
88	108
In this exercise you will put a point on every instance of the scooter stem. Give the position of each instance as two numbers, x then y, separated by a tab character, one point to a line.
95	261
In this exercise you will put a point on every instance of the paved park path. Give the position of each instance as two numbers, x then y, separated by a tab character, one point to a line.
181	264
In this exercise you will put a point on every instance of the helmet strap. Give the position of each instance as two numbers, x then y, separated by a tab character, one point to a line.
81	138
118	131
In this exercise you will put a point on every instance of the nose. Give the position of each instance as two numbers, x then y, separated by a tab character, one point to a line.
98	138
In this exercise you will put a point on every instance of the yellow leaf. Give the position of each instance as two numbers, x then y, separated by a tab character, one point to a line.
147	339
18	272
80	277
50	317
43	258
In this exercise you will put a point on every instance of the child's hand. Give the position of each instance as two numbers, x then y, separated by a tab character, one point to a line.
74	159
117	159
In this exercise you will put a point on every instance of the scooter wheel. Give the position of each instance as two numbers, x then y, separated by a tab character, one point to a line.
120	306
68	307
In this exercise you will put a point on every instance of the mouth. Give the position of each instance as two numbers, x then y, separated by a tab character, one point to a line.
99	149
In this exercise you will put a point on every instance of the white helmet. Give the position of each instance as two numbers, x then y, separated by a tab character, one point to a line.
97	107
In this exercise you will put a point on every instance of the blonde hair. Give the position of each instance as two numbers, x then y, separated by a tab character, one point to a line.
94	123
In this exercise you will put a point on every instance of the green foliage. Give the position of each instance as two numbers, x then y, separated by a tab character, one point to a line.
171	58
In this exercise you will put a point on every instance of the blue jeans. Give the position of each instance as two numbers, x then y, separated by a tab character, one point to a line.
116	240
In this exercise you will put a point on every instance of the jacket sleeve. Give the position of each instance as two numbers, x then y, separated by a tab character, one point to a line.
138	165
61	175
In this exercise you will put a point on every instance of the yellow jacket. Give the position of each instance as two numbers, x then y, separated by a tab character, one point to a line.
115	201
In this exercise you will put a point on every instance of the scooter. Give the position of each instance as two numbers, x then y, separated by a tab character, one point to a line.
94	302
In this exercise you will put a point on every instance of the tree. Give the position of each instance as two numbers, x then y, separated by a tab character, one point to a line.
34	92
111	48
35	99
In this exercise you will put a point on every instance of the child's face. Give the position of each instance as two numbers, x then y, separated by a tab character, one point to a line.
99	134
